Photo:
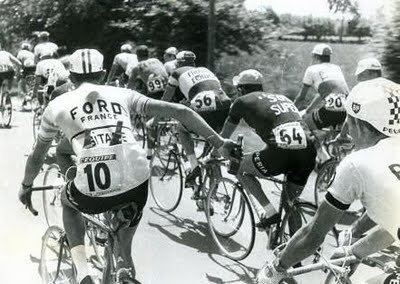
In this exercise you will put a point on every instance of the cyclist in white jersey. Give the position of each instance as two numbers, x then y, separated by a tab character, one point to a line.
8	64
27	59
327	79
107	175
50	72
120	64
170	59
44	47
371	174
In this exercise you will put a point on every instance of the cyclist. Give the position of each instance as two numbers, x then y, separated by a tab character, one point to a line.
202	91
149	76
44	47
278	123
107	176
121	62
50	72
27	59
327	79
170	59
370	174
8	64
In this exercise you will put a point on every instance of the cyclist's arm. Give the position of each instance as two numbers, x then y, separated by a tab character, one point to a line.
301	96
15	61
309	238
315	102
185	115
234	117
132	79
168	93
112	73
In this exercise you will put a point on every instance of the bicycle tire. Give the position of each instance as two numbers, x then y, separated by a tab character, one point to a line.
6	109
53	242
158	168
324	179
218	238
51	199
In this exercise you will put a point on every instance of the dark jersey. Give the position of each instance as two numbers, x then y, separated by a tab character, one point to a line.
275	119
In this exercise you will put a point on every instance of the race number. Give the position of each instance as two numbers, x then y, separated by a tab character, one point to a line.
335	102
156	84
204	101
290	136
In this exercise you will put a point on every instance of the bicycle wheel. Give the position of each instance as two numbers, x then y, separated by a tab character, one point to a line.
56	264
6	109
230	219
51	199
166	180
324	179
37	117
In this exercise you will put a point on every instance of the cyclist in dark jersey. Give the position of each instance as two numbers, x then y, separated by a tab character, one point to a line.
149	77
201	90
278	123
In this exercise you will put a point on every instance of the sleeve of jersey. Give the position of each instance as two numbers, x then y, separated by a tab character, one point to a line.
174	79
138	103
346	186
236	111
48	129
308	80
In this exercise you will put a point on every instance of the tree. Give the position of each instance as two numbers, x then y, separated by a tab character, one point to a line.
343	7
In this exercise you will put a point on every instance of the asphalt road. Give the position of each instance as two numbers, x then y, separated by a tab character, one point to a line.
168	248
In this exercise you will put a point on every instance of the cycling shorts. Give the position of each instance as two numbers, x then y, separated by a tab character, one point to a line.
9	75
325	118
73	198
28	70
297	164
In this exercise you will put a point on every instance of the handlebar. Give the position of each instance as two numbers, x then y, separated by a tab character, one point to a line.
29	205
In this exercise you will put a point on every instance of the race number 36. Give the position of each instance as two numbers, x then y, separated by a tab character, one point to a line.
204	101
290	136
98	176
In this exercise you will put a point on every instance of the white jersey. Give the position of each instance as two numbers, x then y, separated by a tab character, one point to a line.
126	59
170	66
26	57
55	67
372	175
5	61
116	169
45	49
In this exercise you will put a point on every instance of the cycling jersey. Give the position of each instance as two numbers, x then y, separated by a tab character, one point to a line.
126	59
152	74
45	49
6	64
273	117
102	170
200	87
26	57
371	175
170	66
328	80
48	67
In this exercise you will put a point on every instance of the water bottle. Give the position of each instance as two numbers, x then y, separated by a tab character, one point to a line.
236	156
117	135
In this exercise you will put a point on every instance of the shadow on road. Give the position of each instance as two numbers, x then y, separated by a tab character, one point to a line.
195	234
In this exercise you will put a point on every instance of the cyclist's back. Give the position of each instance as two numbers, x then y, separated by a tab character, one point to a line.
45	67
26	57
6	64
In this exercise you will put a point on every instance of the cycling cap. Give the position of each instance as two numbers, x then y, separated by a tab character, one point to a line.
126	47
368	64
248	77
86	61
171	50
322	49
44	34
25	45
378	103
186	56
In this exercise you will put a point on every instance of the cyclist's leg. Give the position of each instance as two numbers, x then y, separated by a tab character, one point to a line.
64	154
187	145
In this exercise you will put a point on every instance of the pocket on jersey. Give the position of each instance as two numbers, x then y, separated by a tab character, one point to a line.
290	136
111	170
335	102
204	101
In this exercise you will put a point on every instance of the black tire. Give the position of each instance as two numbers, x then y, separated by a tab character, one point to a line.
324	179
51	199
227	241
6	109
166	178
54	242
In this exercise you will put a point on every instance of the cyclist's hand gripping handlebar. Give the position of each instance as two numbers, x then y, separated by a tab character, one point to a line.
25	196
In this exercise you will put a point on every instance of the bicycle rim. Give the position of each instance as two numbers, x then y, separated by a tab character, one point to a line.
166	181
53	267
51	199
235	235
324	179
